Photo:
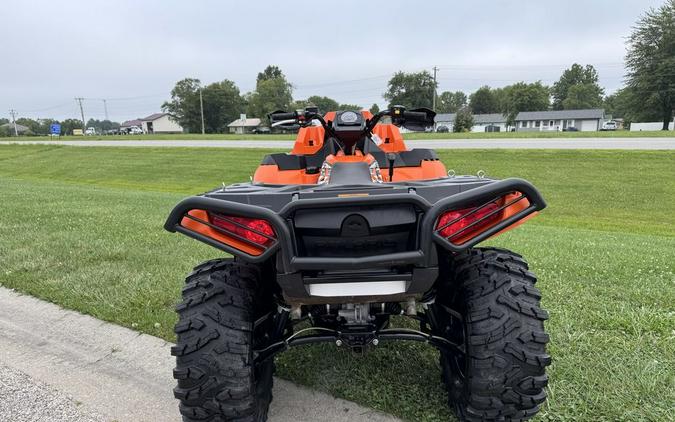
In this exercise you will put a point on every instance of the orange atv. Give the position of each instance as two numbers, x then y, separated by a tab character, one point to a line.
347	230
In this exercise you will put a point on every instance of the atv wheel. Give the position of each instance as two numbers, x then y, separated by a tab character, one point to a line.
217	379
501	376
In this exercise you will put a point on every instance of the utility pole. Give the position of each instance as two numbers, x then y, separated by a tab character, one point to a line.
79	101
13	113
105	108
201	108
433	101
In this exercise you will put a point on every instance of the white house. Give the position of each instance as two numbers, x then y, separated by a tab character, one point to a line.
160	123
588	120
244	125
495	122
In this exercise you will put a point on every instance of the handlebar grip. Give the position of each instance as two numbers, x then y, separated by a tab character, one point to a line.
415	115
283	116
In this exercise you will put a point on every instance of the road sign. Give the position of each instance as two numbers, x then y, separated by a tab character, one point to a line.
55	129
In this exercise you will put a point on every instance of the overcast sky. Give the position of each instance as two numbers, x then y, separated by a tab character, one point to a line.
133	52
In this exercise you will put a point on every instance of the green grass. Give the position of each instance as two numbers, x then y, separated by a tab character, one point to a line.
409	136
82	228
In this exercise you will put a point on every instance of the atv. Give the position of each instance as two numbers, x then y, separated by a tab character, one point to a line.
346	231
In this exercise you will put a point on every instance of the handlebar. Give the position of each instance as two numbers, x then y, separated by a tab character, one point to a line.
415	115
283	116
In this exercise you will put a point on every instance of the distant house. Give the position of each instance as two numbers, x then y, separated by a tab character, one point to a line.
131	123
444	120
244	125
588	120
20	129
495	122
160	123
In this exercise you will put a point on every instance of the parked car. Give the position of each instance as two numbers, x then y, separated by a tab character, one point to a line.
610	125
90	131
263	130
442	129
131	130
570	129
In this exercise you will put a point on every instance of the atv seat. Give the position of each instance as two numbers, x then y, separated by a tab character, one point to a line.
309	162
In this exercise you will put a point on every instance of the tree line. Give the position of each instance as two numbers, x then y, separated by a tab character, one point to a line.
648	94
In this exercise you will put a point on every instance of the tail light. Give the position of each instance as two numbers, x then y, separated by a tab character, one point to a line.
461	225
256	230
252	236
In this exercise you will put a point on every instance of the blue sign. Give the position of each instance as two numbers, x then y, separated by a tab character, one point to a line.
55	129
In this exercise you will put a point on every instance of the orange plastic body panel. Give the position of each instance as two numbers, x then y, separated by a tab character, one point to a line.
207	231
271	175
392	141
310	140
426	171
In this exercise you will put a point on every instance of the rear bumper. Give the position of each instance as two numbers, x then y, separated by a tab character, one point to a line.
290	265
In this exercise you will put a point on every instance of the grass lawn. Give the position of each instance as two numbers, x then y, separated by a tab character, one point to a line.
409	136
82	227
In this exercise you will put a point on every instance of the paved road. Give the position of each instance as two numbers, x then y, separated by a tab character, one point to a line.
525	143
59	365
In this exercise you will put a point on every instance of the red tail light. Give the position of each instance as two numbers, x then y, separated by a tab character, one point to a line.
463	224
257	231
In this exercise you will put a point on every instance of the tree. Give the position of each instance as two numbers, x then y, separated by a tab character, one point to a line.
3	121
103	125
68	125
651	60
411	90
272	92
524	97
350	107
625	104
484	101
463	120
222	104
374	109
450	102
184	104
582	96
270	72
574	76
325	104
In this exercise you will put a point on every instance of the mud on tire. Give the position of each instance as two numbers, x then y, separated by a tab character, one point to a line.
502	376
217	380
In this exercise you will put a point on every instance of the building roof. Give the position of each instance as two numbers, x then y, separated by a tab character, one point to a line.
153	117
19	127
591	113
129	123
445	117
489	118
253	122
477	118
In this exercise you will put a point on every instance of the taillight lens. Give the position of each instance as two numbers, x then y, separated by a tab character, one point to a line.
256	230
453	224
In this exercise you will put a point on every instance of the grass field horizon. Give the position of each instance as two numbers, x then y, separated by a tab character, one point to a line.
82	227
408	136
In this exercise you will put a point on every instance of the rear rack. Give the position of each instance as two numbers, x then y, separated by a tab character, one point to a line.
288	260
